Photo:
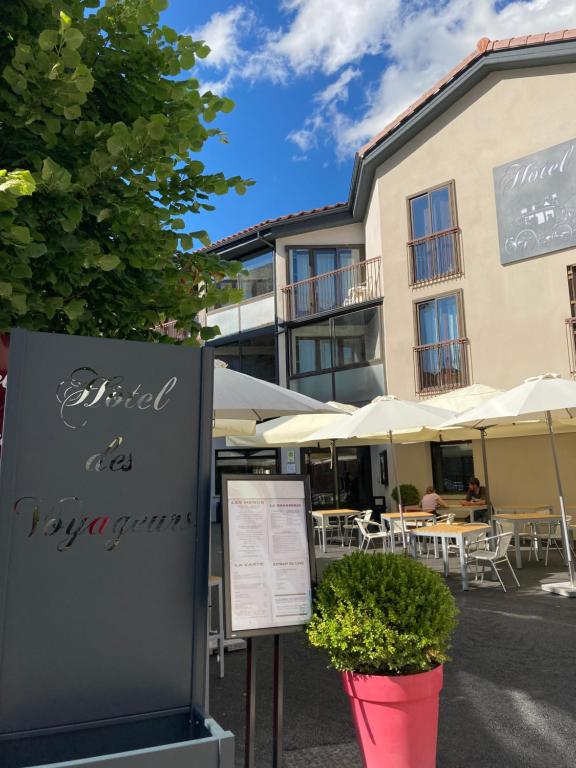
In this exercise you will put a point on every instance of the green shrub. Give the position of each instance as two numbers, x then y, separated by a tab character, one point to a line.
410	495
382	614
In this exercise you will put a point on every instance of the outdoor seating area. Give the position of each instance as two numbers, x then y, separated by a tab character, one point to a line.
468	551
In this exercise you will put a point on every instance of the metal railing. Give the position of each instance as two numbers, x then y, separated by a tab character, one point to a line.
571	339
435	257
169	329
441	367
354	284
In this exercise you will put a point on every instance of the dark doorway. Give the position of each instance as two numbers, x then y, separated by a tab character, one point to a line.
354	477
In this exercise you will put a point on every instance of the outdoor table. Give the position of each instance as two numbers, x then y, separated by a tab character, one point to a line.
468	510
323	514
519	518
408	515
445	531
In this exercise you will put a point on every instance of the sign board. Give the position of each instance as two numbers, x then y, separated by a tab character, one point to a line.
104	492
536	203
269	564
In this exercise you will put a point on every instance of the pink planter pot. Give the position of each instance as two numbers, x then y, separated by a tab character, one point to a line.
396	718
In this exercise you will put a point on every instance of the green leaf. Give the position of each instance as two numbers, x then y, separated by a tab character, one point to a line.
108	262
240	189
34	250
18	301
19	234
156	131
159	5
20	271
202	236
65	19
227	105
202	50
73	37
74	309
18	183
54	176
73	112
48	39
187	59
177	223
104	214
5	289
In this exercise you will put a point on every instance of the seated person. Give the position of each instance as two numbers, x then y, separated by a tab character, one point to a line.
431	501
476	495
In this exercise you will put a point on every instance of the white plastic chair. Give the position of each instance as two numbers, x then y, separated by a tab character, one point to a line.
494	557
351	527
369	537
550	533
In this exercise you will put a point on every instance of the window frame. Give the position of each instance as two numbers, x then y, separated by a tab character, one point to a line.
335	368
455	230
289	247
234	282
238	339
462	338
434	445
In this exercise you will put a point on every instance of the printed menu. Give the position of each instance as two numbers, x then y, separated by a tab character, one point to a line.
269	558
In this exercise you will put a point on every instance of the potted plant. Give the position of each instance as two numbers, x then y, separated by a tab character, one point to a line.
410	495
386	622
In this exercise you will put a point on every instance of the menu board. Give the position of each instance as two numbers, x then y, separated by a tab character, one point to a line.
269	563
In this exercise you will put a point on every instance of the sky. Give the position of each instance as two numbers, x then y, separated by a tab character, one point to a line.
315	79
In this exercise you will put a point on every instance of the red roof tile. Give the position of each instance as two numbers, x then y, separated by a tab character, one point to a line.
279	220
484	47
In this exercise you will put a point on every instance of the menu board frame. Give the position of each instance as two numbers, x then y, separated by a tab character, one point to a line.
226	518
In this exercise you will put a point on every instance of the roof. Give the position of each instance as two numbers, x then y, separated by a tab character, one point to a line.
484	46
486	50
279	220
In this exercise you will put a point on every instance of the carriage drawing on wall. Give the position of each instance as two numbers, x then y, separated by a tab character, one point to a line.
536	203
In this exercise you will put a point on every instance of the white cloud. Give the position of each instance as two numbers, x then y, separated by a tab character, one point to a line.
428	43
418	41
222	33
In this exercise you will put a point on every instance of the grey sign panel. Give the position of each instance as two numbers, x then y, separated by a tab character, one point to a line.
104	456
536	203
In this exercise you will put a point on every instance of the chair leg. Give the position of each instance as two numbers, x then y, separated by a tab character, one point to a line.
497	572
513	572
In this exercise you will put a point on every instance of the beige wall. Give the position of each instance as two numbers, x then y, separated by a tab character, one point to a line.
520	469
514	315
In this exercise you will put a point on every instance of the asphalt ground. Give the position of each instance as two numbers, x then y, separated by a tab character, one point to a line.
509	696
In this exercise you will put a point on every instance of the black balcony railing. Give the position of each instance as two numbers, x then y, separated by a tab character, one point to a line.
571	339
435	257
441	367
343	287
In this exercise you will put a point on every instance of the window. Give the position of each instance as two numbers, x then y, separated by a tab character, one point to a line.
452	466
254	355
256	278
441	352
353	477
337	358
329	274
572	289
434	245
571	321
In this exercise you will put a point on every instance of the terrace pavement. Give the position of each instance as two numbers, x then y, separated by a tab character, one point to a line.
509	697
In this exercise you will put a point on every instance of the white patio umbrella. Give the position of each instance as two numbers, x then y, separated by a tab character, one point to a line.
289	431
541	397
460	400
386	418
245	398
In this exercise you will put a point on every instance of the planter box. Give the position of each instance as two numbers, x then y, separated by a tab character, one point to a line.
147	743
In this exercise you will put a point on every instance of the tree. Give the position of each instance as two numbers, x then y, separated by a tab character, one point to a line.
100	130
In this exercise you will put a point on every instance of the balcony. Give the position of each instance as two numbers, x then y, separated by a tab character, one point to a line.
571	339
435	257
344	287
441	367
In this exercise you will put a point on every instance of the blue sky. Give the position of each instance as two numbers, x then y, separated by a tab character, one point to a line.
314	79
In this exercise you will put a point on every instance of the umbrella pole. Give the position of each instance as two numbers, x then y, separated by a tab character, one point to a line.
486	480
571	587
398	491
335	478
